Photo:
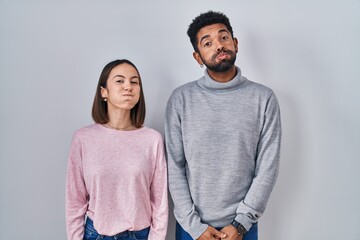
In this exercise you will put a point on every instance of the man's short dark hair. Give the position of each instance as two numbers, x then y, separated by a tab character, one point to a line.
206	19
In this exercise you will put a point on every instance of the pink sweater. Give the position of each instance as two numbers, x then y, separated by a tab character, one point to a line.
119	180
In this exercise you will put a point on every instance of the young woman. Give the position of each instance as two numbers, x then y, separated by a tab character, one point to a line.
116	185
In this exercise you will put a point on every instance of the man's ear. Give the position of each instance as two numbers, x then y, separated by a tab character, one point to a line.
236	44
197	57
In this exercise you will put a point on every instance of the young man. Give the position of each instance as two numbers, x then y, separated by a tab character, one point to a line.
222	139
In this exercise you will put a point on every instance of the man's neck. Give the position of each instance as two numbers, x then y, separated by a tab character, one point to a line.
223	76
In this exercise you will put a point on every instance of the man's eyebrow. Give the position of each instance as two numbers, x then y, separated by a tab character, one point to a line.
205	36
223	30
220	31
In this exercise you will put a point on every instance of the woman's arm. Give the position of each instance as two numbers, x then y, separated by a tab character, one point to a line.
76	193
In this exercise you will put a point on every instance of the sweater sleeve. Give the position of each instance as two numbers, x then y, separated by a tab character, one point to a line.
76	193
267	166
184	208
159	197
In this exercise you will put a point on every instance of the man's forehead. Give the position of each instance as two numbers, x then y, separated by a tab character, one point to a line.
216	27
208	30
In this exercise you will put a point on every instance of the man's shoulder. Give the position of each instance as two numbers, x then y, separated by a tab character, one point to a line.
258	87
184	90
185	87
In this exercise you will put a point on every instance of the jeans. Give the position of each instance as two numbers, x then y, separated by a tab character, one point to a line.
91	234
252	234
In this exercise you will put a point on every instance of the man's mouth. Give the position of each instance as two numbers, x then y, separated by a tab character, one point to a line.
221	56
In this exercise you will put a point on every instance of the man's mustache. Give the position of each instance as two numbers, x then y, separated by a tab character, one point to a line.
223	51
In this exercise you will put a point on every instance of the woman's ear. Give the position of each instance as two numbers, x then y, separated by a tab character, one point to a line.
104	92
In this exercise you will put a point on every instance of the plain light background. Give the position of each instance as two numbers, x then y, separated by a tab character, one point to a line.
308	52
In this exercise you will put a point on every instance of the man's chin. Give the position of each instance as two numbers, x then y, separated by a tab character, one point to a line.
222	67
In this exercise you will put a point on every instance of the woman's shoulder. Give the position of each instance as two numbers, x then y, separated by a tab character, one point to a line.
151	133
88	130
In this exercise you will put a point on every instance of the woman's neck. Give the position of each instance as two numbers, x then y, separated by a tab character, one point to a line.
119	119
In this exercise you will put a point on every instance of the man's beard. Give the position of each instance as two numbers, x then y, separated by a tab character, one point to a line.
223	65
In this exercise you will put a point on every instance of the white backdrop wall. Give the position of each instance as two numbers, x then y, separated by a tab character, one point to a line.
308	52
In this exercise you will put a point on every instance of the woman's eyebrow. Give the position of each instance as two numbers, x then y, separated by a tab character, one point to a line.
118	76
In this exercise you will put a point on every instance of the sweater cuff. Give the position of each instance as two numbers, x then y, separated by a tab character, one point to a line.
196	231
245	221
246	215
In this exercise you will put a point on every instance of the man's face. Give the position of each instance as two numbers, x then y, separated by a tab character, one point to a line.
217	49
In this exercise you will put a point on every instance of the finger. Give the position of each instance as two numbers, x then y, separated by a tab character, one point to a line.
217	234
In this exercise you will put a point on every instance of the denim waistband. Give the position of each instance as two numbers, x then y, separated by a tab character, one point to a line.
89	226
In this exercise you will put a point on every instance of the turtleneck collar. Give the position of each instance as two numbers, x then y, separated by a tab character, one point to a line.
211	85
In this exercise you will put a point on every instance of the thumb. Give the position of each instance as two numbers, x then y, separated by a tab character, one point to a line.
217	233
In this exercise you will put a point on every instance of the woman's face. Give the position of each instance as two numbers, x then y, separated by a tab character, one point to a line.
122	88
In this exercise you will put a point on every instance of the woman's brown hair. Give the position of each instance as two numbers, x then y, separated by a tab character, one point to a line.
99	109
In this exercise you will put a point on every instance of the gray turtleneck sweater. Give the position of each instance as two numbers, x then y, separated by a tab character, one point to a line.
223	144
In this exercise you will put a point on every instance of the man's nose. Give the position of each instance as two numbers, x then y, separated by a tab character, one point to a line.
219	46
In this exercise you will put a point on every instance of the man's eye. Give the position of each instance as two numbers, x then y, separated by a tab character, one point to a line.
207	44
225	37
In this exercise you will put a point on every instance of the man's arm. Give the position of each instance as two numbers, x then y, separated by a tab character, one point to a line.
267	166
184	208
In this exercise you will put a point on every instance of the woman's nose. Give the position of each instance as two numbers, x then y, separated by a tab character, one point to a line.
127	86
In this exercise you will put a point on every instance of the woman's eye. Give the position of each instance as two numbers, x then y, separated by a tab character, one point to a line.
120	81
134	82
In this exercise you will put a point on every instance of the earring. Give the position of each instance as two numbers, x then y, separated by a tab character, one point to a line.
105	99
201	65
